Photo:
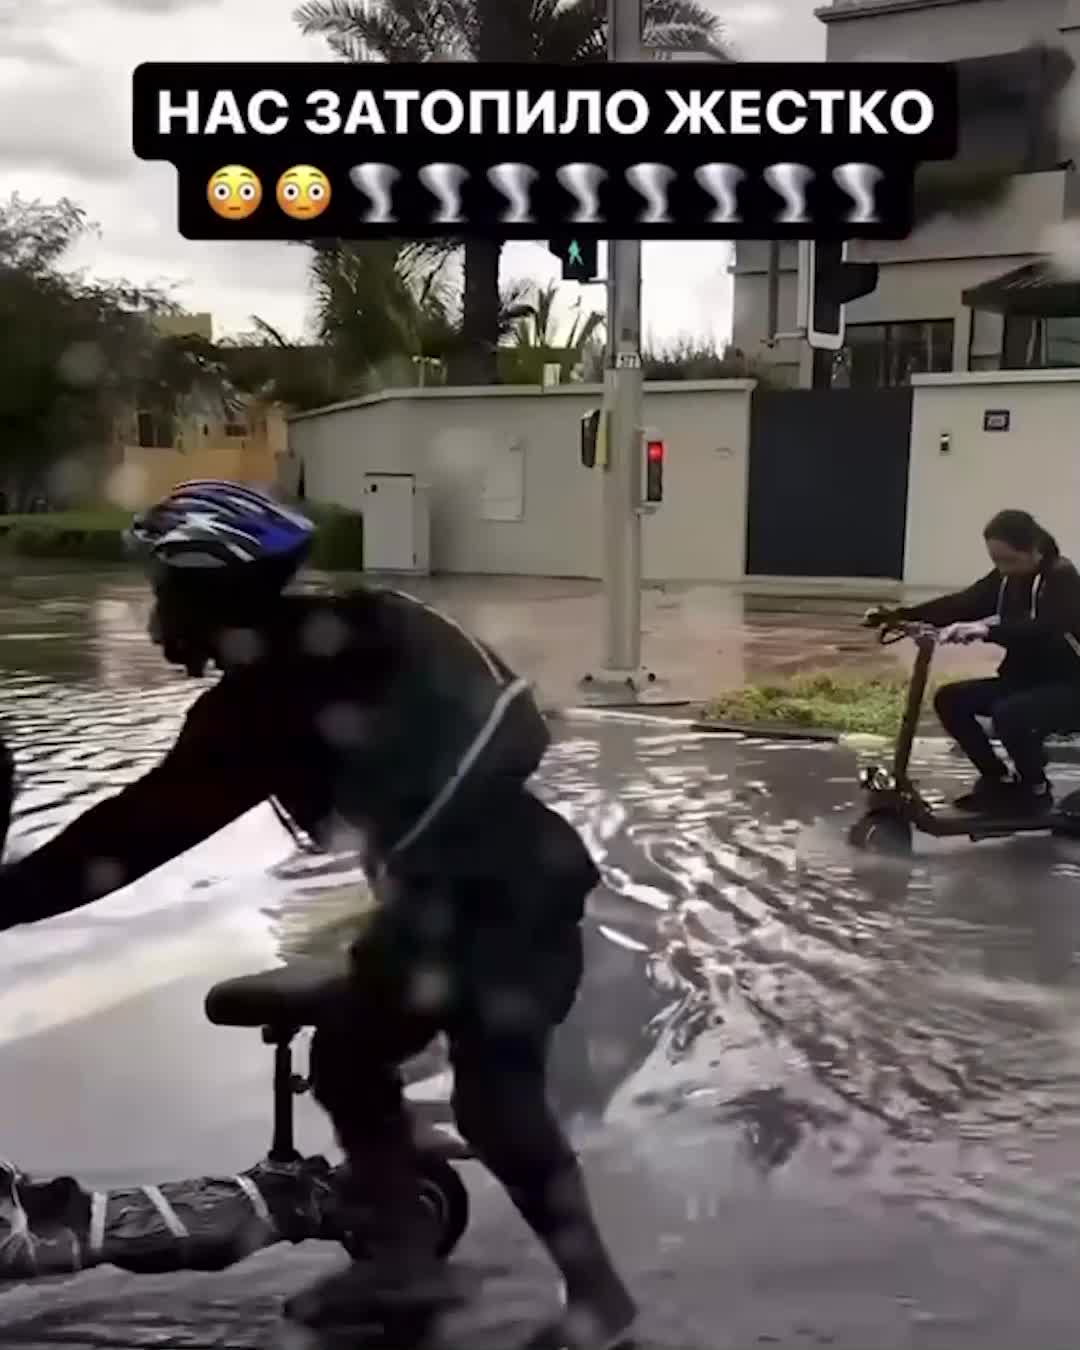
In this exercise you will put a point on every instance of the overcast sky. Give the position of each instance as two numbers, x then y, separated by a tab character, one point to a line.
65	75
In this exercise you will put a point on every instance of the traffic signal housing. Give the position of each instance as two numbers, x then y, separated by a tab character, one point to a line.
580	258
594	440
828	283
652	468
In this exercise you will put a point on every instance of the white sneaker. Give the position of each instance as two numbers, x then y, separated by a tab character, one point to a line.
589	1328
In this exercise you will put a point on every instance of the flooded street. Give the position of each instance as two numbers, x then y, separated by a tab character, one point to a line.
821	1099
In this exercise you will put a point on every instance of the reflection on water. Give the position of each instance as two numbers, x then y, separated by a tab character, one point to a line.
918	1023
320	917
912	1030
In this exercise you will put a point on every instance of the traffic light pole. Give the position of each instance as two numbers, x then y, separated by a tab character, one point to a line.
623	402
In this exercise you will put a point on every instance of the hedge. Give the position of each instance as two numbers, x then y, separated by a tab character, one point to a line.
97	537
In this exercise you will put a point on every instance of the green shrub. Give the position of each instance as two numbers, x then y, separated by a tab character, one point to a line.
689	358
339	540
823	701
77	536
98	537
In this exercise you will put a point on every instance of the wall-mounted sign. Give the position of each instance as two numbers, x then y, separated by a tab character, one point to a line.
996	419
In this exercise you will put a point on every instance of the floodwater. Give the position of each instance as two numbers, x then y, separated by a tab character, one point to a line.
822	1100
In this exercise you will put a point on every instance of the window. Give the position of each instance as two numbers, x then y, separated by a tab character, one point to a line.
155	430
1051	343
984	349
885	355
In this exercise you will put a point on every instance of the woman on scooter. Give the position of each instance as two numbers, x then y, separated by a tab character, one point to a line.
1029	604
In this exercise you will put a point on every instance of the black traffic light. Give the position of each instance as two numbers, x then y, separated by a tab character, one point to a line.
830	282
580	258
594	427
590	431
653	484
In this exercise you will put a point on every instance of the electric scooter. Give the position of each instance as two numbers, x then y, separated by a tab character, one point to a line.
282	1002
895	807
51	1228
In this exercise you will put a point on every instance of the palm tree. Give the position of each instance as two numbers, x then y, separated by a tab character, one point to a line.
380	306
554	32
378	300
536	325
534	341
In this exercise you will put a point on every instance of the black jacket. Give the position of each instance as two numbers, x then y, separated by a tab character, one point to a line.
1036	619
375	722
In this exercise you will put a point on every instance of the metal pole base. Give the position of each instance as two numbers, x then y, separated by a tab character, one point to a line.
619	687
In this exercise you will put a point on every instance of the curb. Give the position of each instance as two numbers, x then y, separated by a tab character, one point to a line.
634	715
765	731
1062	752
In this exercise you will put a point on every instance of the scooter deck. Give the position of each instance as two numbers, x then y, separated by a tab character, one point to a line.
948	821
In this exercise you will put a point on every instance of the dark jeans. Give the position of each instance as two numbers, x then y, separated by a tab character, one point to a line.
1022	719
497	990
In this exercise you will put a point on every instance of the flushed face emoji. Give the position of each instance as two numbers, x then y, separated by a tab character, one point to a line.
234	192
303	192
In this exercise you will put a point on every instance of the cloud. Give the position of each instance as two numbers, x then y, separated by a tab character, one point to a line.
18	13
775	30
160	6
65	130
25	39
31	49
66	120
753	14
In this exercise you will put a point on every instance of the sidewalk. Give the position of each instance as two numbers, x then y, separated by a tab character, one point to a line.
697	640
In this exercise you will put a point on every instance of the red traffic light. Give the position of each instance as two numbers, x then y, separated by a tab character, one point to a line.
652	487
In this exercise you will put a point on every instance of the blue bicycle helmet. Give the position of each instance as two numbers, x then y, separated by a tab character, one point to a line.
209	524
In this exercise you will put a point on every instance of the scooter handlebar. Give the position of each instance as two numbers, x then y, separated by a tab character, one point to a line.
894	631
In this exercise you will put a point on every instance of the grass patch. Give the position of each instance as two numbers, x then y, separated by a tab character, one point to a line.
96	535
820	702
92	535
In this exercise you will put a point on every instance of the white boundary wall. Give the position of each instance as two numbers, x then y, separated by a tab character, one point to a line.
510	496
953	492
513	453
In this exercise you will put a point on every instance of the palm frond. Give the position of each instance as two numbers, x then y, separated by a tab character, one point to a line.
584	329
534	322
684	25
405	298
268	332
385	30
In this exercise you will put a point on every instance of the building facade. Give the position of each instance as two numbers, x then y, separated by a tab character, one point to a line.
947	296
153	450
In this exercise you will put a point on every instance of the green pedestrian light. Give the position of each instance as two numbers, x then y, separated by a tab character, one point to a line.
579	257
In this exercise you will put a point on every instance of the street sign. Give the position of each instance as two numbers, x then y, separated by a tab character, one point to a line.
628	361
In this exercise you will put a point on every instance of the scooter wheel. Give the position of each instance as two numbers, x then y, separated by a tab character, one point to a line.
882	833
444	1193
443	1189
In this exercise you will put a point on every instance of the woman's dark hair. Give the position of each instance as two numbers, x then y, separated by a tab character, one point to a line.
1021	531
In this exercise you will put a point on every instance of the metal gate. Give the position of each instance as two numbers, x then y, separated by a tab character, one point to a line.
828	487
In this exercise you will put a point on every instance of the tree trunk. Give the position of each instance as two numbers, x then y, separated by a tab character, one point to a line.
477	361
501	35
